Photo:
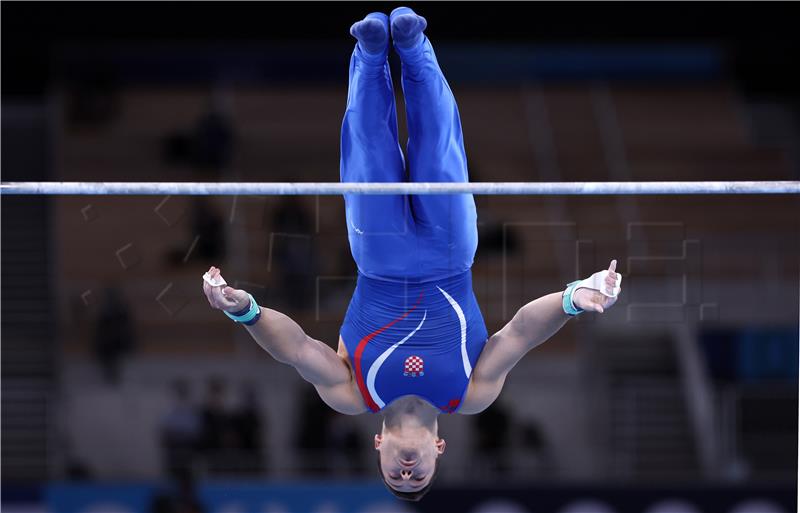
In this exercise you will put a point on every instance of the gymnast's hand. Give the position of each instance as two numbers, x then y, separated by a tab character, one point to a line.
223	297
595	301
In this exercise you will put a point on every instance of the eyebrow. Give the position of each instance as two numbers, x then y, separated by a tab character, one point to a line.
396	481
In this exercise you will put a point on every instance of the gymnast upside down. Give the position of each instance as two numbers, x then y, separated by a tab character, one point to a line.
413	343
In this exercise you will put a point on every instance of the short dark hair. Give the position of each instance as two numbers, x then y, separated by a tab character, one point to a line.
409	496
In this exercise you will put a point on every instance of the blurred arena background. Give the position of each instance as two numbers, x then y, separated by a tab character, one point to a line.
122	391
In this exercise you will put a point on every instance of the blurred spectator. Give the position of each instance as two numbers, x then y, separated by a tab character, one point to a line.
179	497
113	334
312	439
218	426
75	468
346	446
495	237
180	431
231	440
208	225
209	145
214	140
492	433
291	216
248	423
327	442
536	450
293	252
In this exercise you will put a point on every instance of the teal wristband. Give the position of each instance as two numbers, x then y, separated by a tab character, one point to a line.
250	317
566	299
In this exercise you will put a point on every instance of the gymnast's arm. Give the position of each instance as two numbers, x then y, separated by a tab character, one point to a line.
532	325
286	341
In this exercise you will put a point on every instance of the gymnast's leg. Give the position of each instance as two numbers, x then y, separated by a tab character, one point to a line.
435	149
380	228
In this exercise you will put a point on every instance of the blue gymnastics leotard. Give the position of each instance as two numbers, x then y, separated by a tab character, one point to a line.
413	326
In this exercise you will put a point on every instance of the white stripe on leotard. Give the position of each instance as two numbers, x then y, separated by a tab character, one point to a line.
463	322
376	365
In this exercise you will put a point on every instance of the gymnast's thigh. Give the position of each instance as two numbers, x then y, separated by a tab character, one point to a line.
447	245
382	235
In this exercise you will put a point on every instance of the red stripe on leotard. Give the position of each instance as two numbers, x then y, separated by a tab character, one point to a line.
362	344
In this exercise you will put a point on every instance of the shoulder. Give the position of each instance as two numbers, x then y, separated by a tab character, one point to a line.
342	398
480	395
482	389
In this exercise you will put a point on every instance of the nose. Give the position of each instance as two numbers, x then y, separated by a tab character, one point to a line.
405	474
408	455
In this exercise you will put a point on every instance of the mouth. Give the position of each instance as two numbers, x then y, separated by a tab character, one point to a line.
408	463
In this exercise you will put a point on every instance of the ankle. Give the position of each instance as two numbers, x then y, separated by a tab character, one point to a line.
374	61
411	55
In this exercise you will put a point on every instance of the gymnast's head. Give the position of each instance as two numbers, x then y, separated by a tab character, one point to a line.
408	459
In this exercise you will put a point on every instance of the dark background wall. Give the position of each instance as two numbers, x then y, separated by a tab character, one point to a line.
760	36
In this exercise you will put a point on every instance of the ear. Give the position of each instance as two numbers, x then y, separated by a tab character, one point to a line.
378	442
440	445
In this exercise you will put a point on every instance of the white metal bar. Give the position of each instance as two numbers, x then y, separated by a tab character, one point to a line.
337	188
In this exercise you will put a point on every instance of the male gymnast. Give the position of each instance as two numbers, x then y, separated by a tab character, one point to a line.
413	343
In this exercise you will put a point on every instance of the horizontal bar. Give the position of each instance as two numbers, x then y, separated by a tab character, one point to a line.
337	188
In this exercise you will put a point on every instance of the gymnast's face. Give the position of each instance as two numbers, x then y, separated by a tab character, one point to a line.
408	460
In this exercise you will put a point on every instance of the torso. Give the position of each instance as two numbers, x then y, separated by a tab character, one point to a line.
474	400
426	346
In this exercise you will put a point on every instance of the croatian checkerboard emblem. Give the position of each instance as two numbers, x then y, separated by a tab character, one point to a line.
413	367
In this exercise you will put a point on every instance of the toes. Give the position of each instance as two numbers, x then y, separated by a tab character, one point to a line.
372	34
405	23
369	27
409	23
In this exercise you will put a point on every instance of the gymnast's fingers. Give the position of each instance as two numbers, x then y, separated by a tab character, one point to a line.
237	296
220	300
598	302
212	299
229	300
207	292
213	294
